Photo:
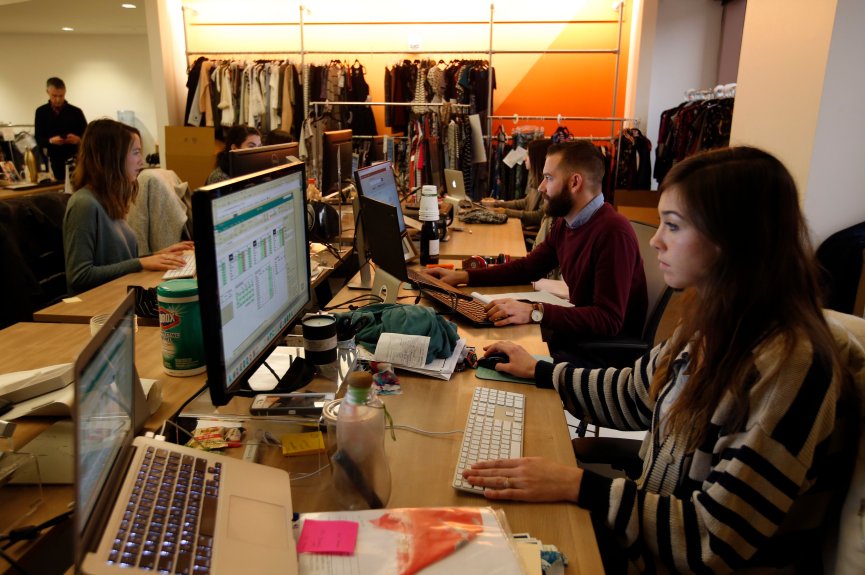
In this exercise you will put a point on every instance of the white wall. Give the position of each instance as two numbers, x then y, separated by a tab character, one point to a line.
684	55
103	74
835	194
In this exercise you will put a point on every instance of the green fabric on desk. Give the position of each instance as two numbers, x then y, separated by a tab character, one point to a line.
486	373
405	319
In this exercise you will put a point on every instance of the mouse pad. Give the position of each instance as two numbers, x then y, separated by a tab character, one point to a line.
486	373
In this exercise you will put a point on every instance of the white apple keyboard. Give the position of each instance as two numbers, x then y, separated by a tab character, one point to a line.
186	271
494	430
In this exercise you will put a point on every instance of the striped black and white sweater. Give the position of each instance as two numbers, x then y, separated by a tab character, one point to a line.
748	498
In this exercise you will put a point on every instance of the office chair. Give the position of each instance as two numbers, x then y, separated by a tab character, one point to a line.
619	453
624	351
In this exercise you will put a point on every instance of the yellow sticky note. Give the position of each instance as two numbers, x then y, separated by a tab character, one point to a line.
302	443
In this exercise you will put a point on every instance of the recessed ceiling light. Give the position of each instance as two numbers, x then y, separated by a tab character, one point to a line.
128	6
67	29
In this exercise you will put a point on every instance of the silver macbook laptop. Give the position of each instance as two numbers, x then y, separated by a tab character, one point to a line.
145	504
456	186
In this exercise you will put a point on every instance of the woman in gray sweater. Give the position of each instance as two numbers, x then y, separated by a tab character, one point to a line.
98	244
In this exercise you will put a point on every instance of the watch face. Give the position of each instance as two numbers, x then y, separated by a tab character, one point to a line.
537	315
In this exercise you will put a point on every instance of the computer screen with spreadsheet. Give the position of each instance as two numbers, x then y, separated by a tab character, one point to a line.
252	256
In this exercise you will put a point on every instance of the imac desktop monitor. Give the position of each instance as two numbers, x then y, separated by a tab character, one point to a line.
337	161
252	257
384	243
249	160
379	183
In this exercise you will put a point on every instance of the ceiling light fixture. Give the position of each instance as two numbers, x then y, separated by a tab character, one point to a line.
68	29
128	6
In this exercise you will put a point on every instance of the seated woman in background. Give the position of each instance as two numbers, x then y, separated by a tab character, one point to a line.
237	138
746	406
98	244
529	209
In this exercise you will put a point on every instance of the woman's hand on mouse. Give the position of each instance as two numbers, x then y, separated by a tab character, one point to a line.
520	362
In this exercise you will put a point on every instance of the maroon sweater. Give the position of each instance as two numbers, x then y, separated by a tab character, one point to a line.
600	262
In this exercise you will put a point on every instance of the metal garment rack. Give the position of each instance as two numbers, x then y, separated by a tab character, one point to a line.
618	5
560	118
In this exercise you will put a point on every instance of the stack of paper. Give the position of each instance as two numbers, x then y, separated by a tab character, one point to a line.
533	296
432	540
409	352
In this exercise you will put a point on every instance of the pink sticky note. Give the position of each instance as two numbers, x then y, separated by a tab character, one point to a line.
330	537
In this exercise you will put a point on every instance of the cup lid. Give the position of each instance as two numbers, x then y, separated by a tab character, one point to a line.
178	288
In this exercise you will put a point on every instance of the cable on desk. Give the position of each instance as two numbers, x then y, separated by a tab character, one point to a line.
424	431
302	476
369	298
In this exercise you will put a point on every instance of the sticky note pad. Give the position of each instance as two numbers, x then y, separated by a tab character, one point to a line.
302	443
328	537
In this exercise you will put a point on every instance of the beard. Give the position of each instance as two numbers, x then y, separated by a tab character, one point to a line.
559	205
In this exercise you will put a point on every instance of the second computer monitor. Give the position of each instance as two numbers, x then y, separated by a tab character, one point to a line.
250	160
337	161
379	183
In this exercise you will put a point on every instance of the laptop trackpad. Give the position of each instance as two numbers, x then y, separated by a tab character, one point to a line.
258	522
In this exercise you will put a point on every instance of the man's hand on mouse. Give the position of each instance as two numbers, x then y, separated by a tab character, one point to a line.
509	312
520	362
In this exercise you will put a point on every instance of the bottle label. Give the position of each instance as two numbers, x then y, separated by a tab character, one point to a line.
434	248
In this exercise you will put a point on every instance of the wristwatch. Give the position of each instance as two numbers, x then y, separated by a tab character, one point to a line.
537	312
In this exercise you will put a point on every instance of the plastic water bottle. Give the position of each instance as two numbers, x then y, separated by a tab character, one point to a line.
361	474
312	192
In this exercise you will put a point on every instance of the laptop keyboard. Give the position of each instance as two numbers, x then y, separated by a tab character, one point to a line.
187	271
473	309
494	430
169	520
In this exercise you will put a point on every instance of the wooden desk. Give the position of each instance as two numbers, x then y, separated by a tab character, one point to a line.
106	297
6	193
422	467
31	345
474	240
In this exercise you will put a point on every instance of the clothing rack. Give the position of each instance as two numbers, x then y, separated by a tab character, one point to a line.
301	23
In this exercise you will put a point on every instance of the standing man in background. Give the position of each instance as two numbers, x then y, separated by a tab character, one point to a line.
59	127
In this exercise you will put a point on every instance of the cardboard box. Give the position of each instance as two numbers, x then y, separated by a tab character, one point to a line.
191	153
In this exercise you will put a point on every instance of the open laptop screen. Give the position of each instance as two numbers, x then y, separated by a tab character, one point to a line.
105	376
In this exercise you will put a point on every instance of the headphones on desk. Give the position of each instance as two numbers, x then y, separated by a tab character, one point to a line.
322	222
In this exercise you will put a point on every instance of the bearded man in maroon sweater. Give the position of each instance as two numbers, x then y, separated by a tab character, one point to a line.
596	249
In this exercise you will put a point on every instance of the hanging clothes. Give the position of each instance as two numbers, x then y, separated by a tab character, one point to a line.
689	128
632	160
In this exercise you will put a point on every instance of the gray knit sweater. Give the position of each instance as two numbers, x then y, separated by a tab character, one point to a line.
749	497
97	247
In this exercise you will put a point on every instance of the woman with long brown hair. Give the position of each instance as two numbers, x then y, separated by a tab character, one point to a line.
98	244
743	405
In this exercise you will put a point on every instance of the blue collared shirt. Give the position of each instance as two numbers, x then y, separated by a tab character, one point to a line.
587	212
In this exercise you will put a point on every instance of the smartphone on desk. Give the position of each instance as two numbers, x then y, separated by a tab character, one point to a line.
308	404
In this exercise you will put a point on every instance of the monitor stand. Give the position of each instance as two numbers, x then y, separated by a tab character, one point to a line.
298	375
363	279
386	286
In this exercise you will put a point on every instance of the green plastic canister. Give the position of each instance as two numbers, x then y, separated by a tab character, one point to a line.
180	326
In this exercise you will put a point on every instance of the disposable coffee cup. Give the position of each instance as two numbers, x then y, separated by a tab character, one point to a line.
97	321
319	339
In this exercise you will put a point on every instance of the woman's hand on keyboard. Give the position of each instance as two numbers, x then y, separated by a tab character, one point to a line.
526	479
185	246
520	362
163	261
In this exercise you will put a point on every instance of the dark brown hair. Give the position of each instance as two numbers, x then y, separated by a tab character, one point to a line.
537	150
763	283
101	165
581	156
235	136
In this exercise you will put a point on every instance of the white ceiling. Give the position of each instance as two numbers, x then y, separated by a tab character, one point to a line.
85	16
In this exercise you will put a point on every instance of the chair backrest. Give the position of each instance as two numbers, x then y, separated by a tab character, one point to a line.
845	551
658	291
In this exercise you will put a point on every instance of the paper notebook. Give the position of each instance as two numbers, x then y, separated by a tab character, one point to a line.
432	540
